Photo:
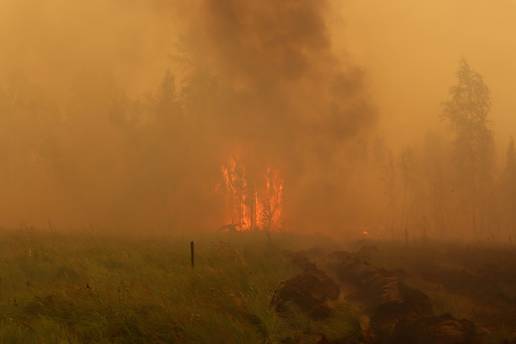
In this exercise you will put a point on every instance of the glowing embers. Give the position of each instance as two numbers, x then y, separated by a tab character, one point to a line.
252	203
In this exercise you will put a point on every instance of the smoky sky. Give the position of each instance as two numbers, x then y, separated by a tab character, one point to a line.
293	104
119	114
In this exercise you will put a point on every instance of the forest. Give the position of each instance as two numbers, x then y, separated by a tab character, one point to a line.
156	161
237	171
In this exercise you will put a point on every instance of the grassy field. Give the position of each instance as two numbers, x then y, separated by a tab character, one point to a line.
85	288
105	289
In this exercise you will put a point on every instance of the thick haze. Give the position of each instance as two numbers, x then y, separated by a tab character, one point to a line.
119	114
411	49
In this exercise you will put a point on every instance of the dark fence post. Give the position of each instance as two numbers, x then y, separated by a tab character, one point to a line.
192	254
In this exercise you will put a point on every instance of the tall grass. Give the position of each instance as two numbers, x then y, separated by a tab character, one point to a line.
92	289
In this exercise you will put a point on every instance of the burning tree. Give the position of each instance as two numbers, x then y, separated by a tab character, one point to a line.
252	203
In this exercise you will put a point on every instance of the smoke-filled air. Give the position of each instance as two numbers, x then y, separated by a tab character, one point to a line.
345	156
325	115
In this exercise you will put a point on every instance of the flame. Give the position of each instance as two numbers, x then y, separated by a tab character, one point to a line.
252	205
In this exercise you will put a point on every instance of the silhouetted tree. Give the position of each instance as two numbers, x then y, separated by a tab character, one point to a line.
510	166
467	110
507	193
435	162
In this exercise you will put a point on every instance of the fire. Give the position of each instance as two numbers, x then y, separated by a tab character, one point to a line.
252	204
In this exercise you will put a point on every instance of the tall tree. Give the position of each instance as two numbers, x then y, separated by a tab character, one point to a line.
510	165
507	194
467	110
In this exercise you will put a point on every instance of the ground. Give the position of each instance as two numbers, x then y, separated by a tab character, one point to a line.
250	288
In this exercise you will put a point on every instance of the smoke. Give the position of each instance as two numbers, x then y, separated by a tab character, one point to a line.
277	58
292	104
92	138
121	114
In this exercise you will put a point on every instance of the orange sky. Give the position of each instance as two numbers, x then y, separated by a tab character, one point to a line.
411	50
82	55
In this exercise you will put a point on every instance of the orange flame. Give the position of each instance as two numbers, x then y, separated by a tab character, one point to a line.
252	205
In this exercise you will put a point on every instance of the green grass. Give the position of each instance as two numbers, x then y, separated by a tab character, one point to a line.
108	289
93	288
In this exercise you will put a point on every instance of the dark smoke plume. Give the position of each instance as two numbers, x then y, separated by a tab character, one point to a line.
289	101
259	80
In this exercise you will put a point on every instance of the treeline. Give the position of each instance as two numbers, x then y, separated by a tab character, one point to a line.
96	157
99	158
451	186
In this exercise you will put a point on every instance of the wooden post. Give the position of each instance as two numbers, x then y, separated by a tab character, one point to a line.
192	254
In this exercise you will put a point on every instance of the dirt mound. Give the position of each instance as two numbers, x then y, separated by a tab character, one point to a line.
380	289
443	329
310	291
399	313
387	299
306	339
